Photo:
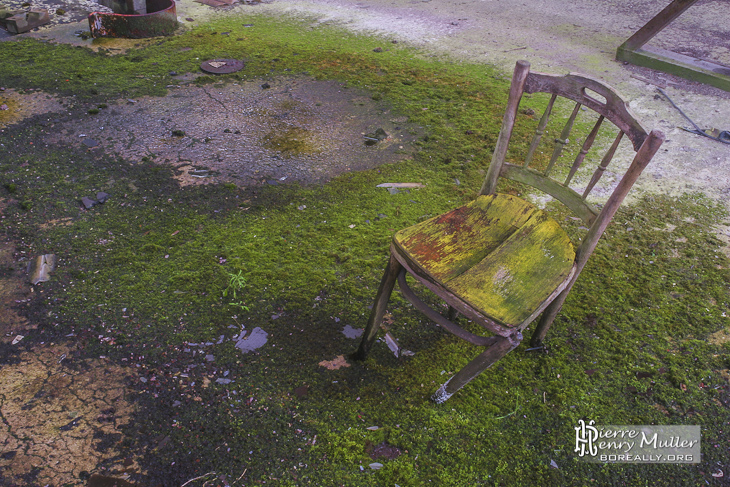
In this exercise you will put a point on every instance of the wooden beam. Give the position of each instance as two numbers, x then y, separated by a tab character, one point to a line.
703	71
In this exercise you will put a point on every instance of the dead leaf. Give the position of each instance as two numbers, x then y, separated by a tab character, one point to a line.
335	364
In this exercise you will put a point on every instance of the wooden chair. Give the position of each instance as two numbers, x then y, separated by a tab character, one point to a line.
498	260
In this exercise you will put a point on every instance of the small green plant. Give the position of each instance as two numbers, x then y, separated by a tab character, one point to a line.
236	282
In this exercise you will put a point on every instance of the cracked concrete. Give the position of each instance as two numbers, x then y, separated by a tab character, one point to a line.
53	417
297	129
61	420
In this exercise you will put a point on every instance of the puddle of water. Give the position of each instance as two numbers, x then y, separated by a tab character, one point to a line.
298	129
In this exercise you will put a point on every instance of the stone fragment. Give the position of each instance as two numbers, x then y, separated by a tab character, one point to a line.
41	267
88	202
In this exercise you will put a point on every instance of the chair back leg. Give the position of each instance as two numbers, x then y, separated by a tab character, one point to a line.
381	301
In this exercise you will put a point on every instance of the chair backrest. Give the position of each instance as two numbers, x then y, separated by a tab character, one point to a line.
608	105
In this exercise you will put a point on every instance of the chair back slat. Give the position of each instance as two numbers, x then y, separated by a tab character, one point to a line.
592	94
562	141
583	151
604	164
540	130
586	93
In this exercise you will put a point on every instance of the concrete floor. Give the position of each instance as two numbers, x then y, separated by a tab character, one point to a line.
556	36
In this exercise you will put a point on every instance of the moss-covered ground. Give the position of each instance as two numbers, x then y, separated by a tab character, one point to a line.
142	276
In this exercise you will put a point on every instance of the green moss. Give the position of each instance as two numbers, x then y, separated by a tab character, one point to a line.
146	272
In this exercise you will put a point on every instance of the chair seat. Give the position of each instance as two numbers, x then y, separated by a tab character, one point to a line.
499	253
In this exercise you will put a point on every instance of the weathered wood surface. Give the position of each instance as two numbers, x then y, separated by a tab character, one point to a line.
516	278
449	244
499	260
562	193
587	144
519	77
578	88
657	24
499	254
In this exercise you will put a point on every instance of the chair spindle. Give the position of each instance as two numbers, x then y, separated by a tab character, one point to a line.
540	130
562	140
584	150
604	164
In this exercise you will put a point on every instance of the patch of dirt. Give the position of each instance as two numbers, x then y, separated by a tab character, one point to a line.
12	292
295	129
720	337
60	422
19	106
60	418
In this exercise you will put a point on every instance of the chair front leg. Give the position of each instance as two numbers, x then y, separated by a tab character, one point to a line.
502	346
381	301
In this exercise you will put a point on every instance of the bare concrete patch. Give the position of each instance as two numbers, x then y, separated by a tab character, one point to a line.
15	106
296	129
61	422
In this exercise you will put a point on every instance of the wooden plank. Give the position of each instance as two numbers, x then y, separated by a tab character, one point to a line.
450	244
687	67
657	24
515	279
400	185
565	195
703	71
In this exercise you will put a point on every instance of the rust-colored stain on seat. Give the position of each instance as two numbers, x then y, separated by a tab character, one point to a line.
498	253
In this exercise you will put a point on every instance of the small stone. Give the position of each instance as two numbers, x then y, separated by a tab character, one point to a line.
378	49
173	73
90	143
189	19
351	332
256	339
88	202
101	197
266	86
